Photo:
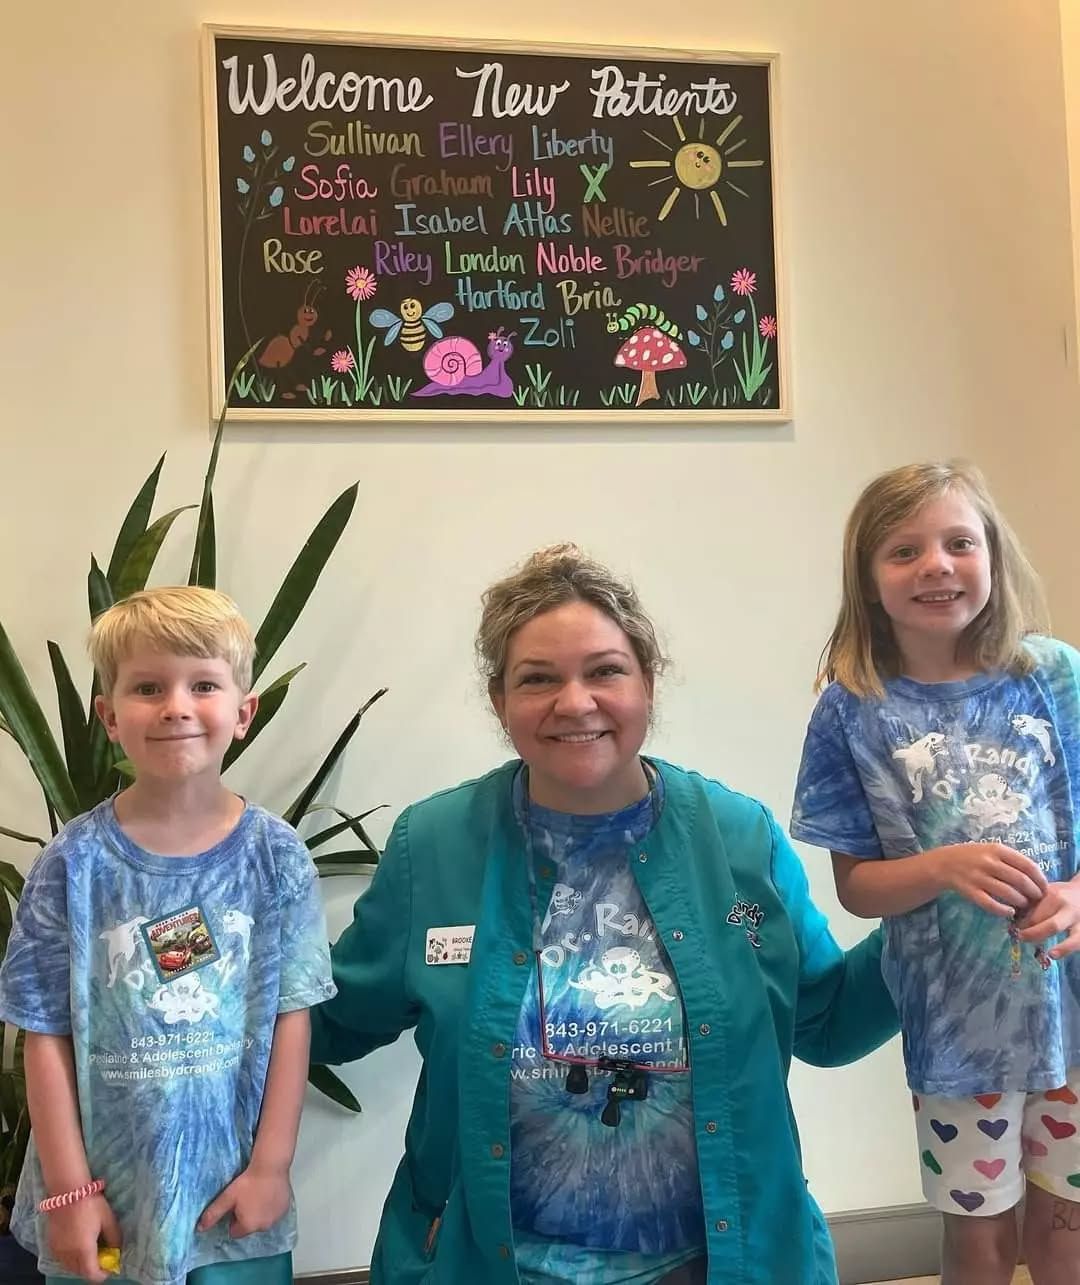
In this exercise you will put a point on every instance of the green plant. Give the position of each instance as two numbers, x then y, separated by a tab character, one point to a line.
85	768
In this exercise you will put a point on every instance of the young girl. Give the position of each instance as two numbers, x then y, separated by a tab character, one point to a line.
942	769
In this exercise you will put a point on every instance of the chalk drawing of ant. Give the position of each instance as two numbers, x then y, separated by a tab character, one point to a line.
280	350
455	367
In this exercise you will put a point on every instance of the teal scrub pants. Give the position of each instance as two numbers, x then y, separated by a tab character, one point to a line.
255	1271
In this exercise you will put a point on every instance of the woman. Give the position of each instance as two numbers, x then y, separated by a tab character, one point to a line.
608	961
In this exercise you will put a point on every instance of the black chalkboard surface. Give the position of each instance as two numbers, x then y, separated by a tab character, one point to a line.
428	229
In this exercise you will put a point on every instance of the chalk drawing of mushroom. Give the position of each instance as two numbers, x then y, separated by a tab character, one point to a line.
651	352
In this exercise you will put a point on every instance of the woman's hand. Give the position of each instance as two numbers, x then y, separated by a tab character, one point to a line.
76	1232
1057	912
996	878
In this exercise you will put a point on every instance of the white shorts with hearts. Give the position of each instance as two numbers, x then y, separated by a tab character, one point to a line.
976	1153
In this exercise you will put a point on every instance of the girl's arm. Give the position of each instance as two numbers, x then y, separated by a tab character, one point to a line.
999	879
259	1197
51	1096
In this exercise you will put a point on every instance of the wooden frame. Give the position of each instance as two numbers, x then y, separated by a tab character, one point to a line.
781	412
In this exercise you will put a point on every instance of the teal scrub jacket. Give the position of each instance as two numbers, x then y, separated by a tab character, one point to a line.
458	858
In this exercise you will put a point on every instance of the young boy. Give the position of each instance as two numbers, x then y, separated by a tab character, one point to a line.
166	950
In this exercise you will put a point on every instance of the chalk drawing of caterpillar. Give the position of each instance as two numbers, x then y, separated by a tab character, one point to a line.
455	367
639	314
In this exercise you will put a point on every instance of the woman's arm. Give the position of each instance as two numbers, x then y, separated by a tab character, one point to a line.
842	1010
372	1006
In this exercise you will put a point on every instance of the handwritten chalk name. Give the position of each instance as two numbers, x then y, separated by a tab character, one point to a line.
358	139
314	185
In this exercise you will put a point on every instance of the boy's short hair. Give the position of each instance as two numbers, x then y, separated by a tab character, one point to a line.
184	620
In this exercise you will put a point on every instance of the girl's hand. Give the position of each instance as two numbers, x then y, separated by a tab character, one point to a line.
257	1199
1057	912
999	879
76	1232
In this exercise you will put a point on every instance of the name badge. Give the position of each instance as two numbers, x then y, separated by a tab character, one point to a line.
450	945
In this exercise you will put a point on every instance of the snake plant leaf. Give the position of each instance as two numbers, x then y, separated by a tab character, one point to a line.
140	561
134	524
354	823
302	576
10	879
206	571
270	700
203	556
76	732
327	1082
348	823
353	862
5	925
310	792
22	838
4	727
99	590
102	754
23	714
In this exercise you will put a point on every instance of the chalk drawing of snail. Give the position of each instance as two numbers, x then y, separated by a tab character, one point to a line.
455	367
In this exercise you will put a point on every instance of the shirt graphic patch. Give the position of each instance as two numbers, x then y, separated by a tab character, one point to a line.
180	943
743	913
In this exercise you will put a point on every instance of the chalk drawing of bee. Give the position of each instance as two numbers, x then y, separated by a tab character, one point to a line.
413	325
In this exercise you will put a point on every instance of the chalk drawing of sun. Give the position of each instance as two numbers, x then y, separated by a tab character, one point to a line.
698	167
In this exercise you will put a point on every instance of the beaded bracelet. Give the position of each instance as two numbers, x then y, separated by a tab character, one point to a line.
50	1203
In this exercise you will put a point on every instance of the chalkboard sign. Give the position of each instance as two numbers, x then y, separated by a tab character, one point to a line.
425	229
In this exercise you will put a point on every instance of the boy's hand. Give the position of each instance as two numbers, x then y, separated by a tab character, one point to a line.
993	876
76	1232
1057	912
257	1199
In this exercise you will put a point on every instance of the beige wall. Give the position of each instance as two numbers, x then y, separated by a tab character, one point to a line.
926	214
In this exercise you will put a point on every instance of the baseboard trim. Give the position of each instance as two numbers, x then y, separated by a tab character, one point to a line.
887	1244
871	1245
354	1276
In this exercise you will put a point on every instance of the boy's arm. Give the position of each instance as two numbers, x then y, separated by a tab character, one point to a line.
51	1096
259	1197
999	879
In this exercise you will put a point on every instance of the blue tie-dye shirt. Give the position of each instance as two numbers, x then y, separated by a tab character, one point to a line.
994	758
592	1204
169	974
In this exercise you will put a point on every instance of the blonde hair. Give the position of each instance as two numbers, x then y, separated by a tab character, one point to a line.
862	650
547	579
182	620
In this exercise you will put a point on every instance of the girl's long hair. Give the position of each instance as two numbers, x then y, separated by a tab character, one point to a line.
862	650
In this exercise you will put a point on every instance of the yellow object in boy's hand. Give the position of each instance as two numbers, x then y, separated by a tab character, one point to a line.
109	1260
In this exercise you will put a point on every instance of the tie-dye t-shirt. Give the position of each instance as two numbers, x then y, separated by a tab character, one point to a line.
592	1204
994	758
168	973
